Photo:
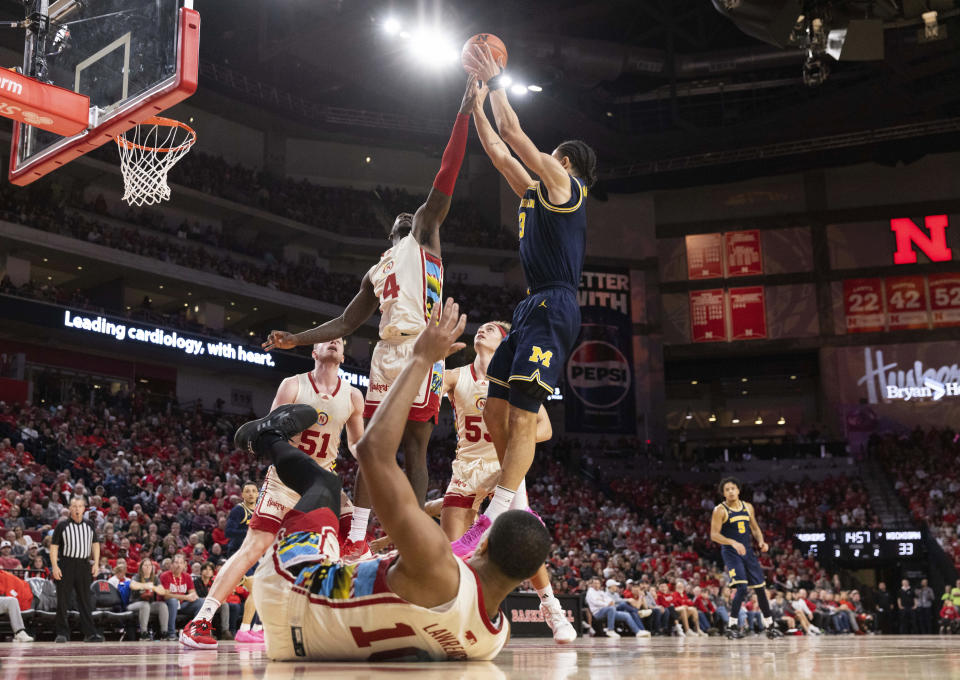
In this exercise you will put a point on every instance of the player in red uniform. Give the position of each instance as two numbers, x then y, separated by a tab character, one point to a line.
422	603
405	284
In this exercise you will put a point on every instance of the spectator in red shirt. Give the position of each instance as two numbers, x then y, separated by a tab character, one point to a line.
7	560
180	593
219	534
949	618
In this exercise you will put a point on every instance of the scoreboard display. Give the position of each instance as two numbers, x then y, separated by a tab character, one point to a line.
862	545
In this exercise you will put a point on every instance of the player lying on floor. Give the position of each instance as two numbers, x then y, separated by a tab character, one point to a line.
420	603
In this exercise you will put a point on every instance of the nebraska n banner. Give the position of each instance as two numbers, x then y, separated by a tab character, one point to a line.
600	367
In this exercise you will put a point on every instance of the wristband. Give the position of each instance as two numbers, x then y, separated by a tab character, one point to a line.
496	83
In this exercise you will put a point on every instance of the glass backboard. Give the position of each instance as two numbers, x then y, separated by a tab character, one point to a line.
132	58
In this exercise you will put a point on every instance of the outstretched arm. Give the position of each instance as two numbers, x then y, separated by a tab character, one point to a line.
513	171
551	172
422	544
354	315
430	215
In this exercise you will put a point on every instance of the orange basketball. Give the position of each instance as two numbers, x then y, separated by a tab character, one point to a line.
496	45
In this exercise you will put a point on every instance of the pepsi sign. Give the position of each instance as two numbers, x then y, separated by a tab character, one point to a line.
599	374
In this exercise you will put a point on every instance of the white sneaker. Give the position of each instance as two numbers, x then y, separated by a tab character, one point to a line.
556	618
815	630
22	637
644	613
702	634
612	634
643	634
678	629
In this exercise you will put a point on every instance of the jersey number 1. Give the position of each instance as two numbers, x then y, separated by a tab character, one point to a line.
365	638
390	287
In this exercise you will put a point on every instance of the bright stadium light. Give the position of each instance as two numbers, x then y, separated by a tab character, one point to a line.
432	48
391	26
506	80
534	88
519	89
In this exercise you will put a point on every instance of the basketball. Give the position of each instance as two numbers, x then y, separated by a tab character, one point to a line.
496	45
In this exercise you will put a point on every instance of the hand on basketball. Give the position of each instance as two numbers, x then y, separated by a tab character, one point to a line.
470	96
279	340
482	63
738	546
439	339
482	92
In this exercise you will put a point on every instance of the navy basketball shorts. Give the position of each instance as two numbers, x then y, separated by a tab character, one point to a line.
529	363
742	569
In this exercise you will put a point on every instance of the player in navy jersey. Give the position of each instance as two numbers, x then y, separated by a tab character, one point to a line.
528	363
732	524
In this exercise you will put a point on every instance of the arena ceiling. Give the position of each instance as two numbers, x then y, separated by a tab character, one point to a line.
668	91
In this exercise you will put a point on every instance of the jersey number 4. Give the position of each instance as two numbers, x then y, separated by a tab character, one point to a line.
308	443
390	287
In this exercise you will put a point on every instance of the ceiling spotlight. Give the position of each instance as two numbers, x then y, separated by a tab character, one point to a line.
161	286
931	29
432	48
693	382
712	418
519	89
367	159
689	415
743	380
391	26
49	278
506	80
44	259
793	377
186	304
609	114
758	421
534	88
735	419
79	267
781	420
196	308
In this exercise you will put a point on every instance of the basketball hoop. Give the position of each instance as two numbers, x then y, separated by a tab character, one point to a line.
147	152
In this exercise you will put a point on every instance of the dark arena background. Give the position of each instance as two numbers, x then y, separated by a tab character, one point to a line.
770	291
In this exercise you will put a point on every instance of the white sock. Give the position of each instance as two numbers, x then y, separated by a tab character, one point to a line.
244	627
255	627
733	622
767	621
208	609
502	498
520	501
358	527
545	593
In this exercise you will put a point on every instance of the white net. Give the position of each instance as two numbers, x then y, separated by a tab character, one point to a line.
147	152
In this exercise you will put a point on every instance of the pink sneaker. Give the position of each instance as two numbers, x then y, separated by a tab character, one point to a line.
249	636
464	546
536	515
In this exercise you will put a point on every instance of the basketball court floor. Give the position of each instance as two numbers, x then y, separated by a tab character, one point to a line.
850	658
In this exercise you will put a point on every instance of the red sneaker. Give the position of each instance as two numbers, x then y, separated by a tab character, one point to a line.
352	552
197	634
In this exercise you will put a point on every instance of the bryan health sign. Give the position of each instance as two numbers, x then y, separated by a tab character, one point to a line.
600	367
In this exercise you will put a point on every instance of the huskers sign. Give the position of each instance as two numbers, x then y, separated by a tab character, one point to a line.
600	368
931	240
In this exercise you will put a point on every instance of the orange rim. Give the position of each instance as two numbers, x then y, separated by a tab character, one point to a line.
165	122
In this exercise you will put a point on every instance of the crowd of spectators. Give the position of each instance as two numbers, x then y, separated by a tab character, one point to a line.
161	482
923	467
202	248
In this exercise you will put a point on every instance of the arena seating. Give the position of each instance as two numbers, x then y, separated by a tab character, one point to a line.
164	480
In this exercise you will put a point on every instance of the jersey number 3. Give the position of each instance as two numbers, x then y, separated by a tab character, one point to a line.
523	217
390	287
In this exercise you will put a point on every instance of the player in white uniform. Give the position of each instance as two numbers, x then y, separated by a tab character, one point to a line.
406	284
476	469
422	602
337	405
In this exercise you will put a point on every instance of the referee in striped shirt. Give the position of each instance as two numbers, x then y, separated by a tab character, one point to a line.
74	543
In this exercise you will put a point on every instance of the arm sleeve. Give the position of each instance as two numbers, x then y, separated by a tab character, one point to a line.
453	156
